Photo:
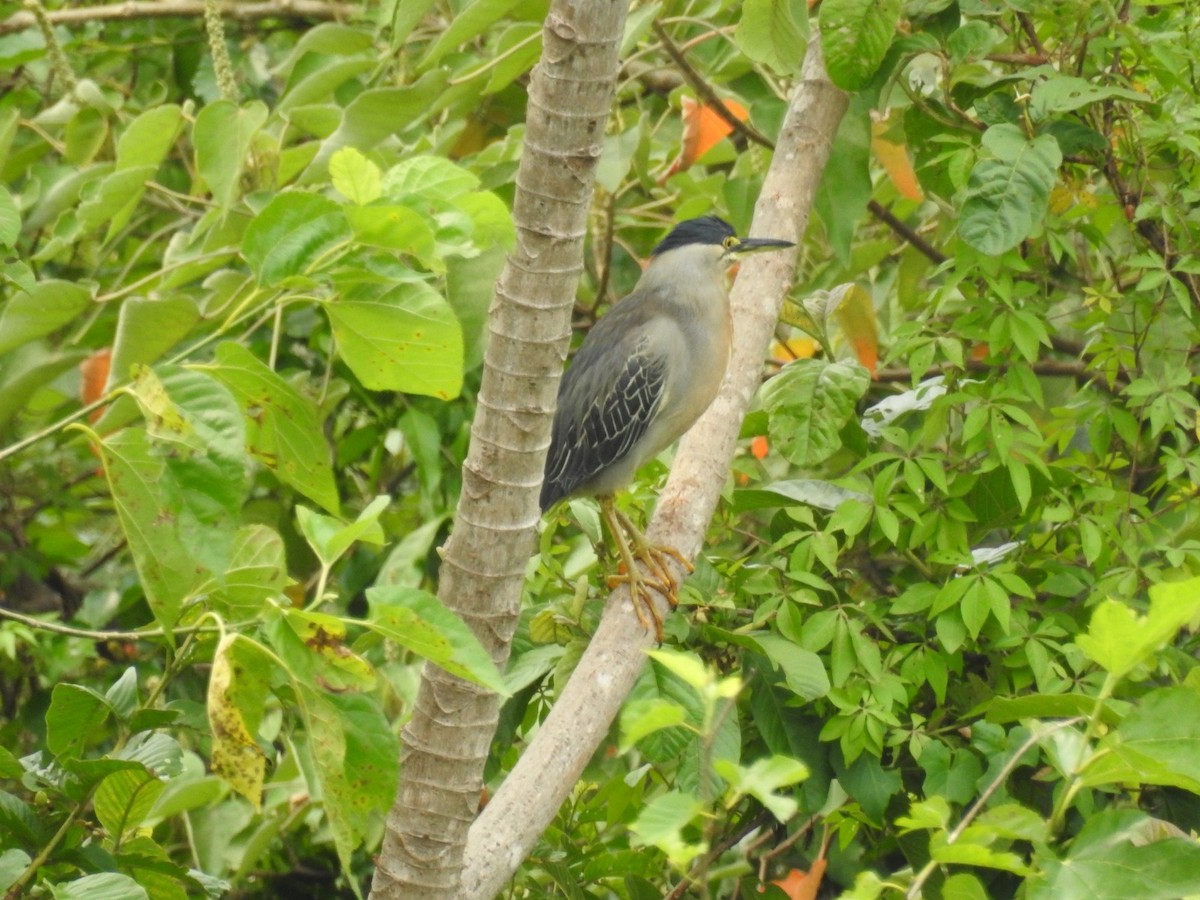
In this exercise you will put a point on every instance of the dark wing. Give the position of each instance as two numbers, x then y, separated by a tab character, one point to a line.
614	391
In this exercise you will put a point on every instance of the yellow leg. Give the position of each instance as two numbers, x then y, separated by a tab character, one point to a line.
652	557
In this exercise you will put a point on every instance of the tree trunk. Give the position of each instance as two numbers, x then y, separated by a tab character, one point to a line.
506	830
447	740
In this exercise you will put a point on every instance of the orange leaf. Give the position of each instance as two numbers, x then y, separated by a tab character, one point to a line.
893	157
94	370
800	885
703	128
856	316
760	446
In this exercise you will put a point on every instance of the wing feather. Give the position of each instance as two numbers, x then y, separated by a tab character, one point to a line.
619	389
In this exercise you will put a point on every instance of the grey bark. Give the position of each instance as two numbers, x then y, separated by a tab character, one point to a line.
483	568
506	830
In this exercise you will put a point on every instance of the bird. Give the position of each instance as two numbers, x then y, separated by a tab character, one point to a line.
642	376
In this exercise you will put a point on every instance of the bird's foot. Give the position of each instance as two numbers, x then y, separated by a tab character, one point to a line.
657	577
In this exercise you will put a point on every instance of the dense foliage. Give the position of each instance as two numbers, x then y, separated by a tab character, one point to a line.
940	640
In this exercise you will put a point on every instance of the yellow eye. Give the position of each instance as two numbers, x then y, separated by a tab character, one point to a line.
730	242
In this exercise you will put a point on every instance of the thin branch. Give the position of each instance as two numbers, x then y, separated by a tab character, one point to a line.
89	634
884	215
170	9
697	83
1051	368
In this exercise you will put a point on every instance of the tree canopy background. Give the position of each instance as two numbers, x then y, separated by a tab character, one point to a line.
940	640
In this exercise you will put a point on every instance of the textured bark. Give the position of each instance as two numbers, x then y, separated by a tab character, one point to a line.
483	567
531	795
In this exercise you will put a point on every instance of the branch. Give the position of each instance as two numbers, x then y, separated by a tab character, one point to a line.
448	738
884	215
526	803
168	9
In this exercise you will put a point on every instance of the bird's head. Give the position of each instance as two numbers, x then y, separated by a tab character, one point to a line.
716	239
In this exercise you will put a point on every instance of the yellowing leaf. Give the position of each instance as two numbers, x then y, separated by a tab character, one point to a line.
893	156
232	699
856	316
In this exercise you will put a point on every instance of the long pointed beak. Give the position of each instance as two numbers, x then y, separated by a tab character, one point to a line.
746	246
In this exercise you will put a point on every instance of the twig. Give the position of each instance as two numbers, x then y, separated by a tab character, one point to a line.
90	635
1051	368
697	83
884	215
914	890
168	9
731	840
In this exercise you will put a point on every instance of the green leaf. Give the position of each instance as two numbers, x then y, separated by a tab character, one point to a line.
106	886
222	135
318	653
470	283
775	33
394	227
517	49
1003	710
291	234
1065	93
45	309
762	778
330	537
112	200
1118	639
407	339
419	622
964	853
802	669
355	177
855	37
1155	744
809	403
178	497
646	716
146	140
29	371
283	427
868	783
377	113
166	568
122	695
355	751
428	178
124	800
12	863
146	329
10	219
85	134
1008	193
206	472
74	719
661	823
257	572
473	20
1117	866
